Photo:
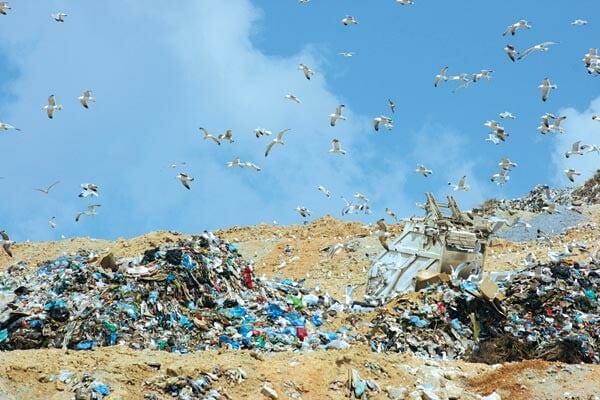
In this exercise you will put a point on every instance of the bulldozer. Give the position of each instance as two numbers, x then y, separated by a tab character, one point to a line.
443	241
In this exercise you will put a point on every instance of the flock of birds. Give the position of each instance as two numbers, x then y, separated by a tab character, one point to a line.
549	123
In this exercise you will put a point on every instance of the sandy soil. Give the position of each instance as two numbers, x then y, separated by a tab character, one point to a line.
299	252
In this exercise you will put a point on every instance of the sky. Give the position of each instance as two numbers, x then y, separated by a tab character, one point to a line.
160	73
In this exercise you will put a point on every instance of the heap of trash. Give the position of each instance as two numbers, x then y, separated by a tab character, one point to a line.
546	311
198	294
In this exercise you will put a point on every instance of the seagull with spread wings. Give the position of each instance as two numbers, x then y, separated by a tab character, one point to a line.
512	29
4	7
538	47
277	140
85	98
47	190
545	87
462	184
91	211
185	179
6	242
208	135
322	189
59	17
307	71
337	115
5	127
336	148
52	106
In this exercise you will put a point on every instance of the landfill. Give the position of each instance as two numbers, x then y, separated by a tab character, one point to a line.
199	293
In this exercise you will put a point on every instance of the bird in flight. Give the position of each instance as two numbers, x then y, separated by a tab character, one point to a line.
570	173
208	135
421	169
228	135
51	106
5	127
47	190
575	150
4	7
185	179
89	189
293	98
348	20
579	22
91	211
262	132
59	17
441	77
391	213
235	163
307	71
538	47
6	242
324	191
381	119
337	115
304	212
52	222
507	115
347	54
278	139
252	165
392	105
545	87
85	97
336	148
462	184
512	29
511	52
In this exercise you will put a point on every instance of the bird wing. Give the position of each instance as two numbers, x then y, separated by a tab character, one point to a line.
6	247
269	147
79	214
52	100
376	122
527	52
4	235
206	132
51	186
332	119
50	111
280	134
545	90
575	146
336	144
338	110
462	181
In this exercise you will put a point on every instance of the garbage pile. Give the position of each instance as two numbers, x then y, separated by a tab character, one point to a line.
548	312
589	192
539	197
194	295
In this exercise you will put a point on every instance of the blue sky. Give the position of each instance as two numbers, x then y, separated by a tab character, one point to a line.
160	73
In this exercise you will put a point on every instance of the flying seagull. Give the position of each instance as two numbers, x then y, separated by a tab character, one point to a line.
405	2
4	7
227	136
307	71
545	87
52	222
87	96
47	190
184	178
347	54
208	135
511	51
507	115
513	27
293	98
324	191
262	132
441	77
575	150
484	74
361	197
391	213
5	127
505	163
59	17
538	47
501	177
337	115
6	242
235	163
381	119
89	189
252	165
91	211
278	139
392	105
304	212
570	173
349	19
462	184
579	22
51	106
336	148
422	170
174	165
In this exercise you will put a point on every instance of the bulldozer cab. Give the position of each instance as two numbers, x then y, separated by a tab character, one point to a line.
436	243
